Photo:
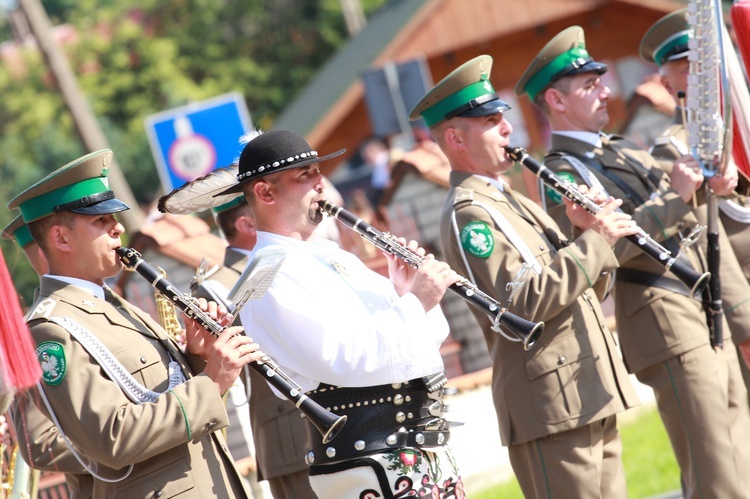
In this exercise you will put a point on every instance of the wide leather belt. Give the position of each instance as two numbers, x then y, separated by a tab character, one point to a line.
648	279
373	443
381	418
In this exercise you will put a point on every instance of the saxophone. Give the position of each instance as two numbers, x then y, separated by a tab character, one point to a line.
6	478
167	315
19	481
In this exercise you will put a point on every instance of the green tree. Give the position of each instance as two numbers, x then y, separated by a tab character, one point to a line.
134	59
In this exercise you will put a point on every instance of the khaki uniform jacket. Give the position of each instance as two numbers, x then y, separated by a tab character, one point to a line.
278	429
573	376
39	434
173	442
36	431
653	324
735	291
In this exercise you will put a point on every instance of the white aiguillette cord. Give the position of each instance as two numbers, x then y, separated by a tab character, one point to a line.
513	237
735	211
116	372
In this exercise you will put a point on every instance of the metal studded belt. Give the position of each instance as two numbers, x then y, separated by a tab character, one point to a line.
382	418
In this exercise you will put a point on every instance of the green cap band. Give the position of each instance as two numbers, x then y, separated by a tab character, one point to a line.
23	236
544	76
228	206
45	204
435	114
676	44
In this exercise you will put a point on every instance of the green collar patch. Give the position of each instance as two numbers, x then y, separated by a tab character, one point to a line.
476	238
52	359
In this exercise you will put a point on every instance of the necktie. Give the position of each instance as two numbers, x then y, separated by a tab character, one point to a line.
552	237
123	306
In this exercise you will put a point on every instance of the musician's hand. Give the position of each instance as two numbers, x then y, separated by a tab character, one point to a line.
594	194
724	184
608	222
428	283
576	213
401	273
431	281
227	355
686	177
198	338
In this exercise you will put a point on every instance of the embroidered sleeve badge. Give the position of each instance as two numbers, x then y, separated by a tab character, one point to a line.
555	196
476	238
52	359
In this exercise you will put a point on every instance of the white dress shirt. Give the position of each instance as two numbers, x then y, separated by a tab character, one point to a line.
328	318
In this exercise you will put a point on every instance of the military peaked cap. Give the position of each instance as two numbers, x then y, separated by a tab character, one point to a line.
466	92
564	55
80	187
667	40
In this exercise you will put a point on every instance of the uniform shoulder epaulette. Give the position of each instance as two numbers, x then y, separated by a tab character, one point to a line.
42	310
463	196
554	157
614	136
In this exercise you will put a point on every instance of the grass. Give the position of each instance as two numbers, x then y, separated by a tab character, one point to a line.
650	466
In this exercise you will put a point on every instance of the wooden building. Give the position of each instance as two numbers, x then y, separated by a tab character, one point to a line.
332	111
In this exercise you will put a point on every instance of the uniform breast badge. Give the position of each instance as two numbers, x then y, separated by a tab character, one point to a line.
52	360
339	268
477	239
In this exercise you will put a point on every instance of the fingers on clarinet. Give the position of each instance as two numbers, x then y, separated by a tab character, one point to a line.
212	309
414	246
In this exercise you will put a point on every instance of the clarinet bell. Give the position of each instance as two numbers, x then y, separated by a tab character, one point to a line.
701	284
693	279
526	331
327	423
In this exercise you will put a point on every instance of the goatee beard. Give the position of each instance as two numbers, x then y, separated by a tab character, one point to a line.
315	215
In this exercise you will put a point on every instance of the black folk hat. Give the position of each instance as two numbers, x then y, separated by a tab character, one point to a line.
272	152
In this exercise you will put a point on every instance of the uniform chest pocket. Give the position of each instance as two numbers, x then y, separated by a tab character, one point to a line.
145	364
170	481
563	379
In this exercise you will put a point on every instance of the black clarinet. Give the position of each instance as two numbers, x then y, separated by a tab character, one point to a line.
526	331
694	280
327	423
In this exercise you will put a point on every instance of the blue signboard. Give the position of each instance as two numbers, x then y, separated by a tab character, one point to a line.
193	140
